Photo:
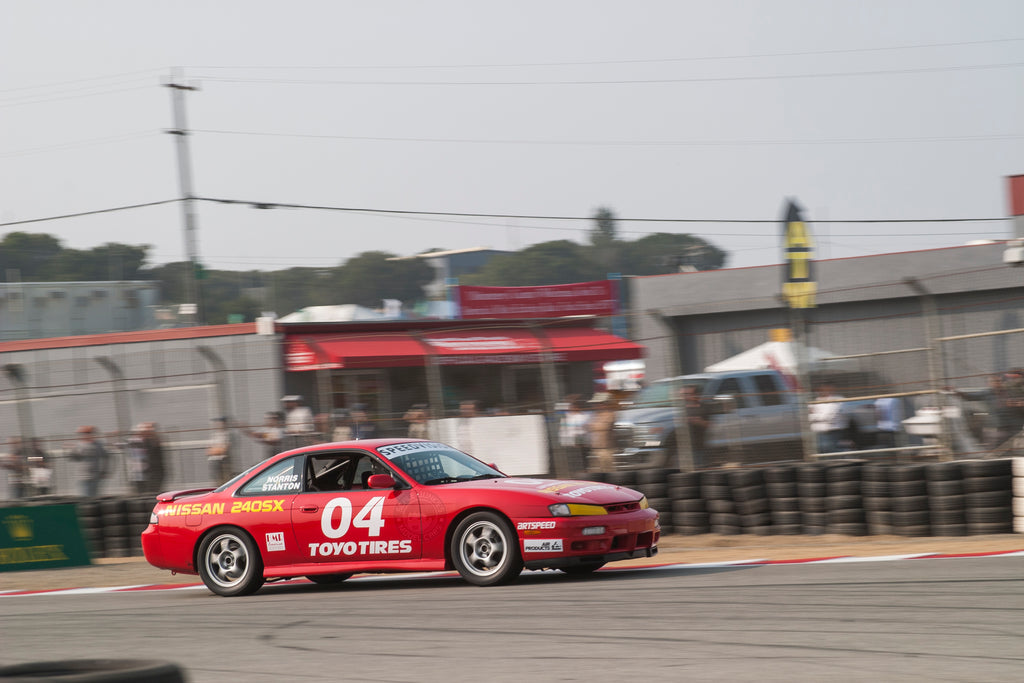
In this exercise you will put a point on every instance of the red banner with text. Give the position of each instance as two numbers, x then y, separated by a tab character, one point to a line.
548	301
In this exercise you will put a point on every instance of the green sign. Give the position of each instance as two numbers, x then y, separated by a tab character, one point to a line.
41	537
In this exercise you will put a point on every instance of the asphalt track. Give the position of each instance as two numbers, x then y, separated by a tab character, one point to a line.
924	619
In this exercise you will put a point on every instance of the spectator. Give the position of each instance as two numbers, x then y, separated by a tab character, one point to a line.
697	420
889	417
572	434
16	464
136	459
416	418
220	450
1003	420
342	426
600	430
270	434
39	471
156	465
828	419
362	427
94	459
298	418
463	425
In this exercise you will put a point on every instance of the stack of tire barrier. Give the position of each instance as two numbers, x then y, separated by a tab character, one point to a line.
989	494
908	496
812	489
689	513
653	483
751	497
116	541
1018	495
91	522
113	526
874	488
717	494
844	504
947	506
783	501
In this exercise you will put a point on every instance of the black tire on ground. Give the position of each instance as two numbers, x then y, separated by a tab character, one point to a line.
692	530
763	530
683	506
786	518
946	487
725	519
988	515
662	505
1001	482
752	507
875	471
746	493
815	519
906	473
95	671
720	506
760	519
810	474
987	468
850	487
949	529
684	479
691	519
655	475
947	502
787	529
877	489
783	489
844	503
684	492
812	489
918	487
916	518
812	505
909	503
990	528
849	529
485	549
582	569
846	516
843	471
328	579
784	504
779	475
947	517
715	492
726	529
744	478
714	478
943	471
875	503
914	530
229	562
989	499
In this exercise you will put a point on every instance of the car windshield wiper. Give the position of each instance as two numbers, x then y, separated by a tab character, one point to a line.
441	480
483	476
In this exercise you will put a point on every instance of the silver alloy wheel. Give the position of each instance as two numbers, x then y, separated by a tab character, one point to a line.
227	560
483	548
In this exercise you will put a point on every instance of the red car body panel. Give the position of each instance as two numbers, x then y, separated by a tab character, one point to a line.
301	531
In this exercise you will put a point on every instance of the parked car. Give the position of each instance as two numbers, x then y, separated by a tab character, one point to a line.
753	417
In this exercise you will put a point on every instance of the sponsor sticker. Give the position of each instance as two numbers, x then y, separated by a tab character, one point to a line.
586	489
412	447
349	548
542	545
535	525
275	541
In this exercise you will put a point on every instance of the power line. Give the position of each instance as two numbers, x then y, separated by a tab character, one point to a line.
462	214
608	62
58	84
58	98
624	143
626	81
88	213
78	143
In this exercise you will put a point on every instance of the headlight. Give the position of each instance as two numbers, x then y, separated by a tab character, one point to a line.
644	504
575	510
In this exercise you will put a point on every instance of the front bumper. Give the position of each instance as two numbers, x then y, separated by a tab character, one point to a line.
561	541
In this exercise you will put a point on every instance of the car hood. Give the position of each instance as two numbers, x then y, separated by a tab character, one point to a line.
558	490
642	415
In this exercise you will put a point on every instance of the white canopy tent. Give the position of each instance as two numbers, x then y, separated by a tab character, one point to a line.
777	355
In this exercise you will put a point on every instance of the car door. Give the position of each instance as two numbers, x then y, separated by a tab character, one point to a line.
262	506
336	518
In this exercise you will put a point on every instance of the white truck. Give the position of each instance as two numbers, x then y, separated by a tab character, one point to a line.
753	417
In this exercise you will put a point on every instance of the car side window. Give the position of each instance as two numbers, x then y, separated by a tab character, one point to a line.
330	471
282	477
767	390
730	386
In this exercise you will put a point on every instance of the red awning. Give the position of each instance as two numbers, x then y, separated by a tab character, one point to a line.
478	346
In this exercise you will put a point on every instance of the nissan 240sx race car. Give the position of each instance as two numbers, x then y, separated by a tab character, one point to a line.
332	510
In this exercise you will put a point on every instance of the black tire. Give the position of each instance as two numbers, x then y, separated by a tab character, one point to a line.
714	478
787	529
784	504
849	529
812	489
917	518
943	471
909	503
229	563
848	471
725	519
990	515
979	528
989	499
907	473
95	671
752	507
949	487
875	471
625	478
846	516
485	550
761	530
684	492
726	529
844	503
913	531
783	489
720	506
692	530
815	519
739	479
899	489
683	506
656	475
987	468
748	493
684	479
877	504
875	489
949	529
787	518
691	519
850	487
947	502
716	492
328	579
597	476
582	569
779	475
980	484
945	517
812	505
662	505
810	474
758	520
659	490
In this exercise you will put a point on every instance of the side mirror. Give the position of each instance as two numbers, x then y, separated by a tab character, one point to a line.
381	481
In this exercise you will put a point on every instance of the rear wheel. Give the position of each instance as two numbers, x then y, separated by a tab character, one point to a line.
230	563
328	579
485	550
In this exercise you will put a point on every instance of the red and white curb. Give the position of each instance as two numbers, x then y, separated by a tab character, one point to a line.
839	559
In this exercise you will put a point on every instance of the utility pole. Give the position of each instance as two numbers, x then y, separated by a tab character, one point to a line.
192	293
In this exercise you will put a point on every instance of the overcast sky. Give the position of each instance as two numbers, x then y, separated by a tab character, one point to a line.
711	111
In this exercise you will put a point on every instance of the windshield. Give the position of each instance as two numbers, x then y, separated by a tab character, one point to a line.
433	463
657	394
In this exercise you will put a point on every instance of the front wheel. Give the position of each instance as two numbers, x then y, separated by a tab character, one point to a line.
230	563
485	550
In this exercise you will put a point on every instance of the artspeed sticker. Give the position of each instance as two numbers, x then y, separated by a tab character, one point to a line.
535	525
542	545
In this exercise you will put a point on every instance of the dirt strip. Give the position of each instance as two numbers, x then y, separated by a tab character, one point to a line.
673	549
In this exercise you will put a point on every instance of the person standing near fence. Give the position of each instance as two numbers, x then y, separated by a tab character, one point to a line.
220	451
94	461
156	466
16	464
298	422
270	434
828	419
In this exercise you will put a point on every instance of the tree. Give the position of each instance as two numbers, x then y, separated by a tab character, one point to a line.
604	232
548	263
32	255
370	277
667	252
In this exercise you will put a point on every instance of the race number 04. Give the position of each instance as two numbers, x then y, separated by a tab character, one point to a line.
369	517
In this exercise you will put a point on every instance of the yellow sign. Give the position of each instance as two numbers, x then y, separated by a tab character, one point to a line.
798	286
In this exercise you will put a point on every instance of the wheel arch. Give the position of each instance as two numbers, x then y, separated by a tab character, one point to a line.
457	519
221	527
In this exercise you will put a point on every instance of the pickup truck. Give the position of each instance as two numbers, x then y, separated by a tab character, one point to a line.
753	417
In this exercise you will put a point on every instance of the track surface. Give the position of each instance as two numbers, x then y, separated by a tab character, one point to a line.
948	619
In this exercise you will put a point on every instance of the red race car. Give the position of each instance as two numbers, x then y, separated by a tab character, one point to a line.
332	510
